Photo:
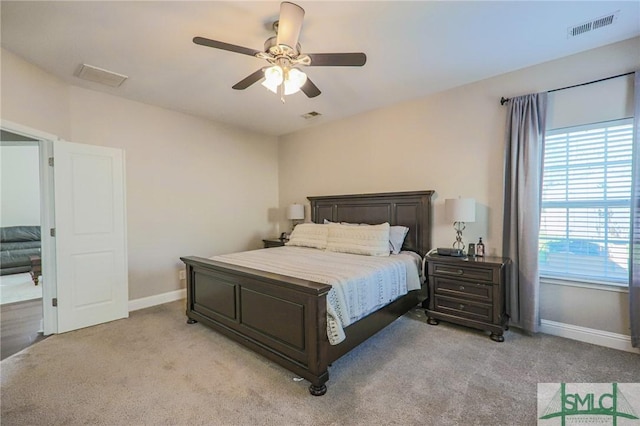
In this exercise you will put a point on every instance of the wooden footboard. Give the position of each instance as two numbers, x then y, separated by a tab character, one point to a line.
279	317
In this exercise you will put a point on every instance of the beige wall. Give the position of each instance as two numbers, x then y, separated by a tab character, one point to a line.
451	142
32	97
595	307
194	187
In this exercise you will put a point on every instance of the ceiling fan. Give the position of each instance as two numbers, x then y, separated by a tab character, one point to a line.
284	55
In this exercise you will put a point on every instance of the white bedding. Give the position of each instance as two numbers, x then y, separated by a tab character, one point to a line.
359	284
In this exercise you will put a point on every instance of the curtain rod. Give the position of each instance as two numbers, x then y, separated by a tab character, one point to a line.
504	100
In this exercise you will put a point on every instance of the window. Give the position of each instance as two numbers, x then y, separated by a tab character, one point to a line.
585	210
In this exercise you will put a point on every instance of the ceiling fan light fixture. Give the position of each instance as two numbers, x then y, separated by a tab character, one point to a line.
293	79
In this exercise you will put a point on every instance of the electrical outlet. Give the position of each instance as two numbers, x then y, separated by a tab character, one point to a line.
182	274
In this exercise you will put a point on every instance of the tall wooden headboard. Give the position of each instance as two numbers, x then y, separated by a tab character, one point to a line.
410	209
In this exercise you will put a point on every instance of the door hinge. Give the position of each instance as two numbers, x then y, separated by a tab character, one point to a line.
54	301
51	161
52	232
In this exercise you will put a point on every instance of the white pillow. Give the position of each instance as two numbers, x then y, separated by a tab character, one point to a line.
309	235
397	234
372	240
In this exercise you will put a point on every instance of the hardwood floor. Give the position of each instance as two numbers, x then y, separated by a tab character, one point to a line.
20	326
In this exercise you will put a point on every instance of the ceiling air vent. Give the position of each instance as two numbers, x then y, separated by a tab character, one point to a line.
311	114
594	24
99	75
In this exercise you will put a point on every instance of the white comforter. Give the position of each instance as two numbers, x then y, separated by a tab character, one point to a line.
359	284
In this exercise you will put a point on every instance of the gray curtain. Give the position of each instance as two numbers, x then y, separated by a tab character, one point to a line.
525	130
634	270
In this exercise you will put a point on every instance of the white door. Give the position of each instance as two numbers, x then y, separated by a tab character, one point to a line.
90	235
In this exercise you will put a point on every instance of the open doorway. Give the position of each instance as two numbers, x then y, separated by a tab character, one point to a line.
83	233
21	282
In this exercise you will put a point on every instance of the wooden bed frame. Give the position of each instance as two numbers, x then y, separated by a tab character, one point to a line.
285	318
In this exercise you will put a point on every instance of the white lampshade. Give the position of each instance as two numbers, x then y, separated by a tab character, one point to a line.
295	80
273	77
295	212
460	209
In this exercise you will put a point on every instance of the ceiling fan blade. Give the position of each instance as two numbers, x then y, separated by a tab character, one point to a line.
248	81
225	46
310	89
289	24
337	59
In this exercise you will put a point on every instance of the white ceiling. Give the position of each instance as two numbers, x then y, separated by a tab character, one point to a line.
413	49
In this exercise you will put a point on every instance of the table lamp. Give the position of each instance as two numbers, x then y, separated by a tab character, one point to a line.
460	211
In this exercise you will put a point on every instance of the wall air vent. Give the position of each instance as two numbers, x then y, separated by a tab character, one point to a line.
99	75
594	24
311	114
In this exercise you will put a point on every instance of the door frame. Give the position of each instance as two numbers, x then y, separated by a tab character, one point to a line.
47	220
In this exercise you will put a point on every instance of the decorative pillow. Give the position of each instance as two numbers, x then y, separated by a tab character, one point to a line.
309	235
371	240
397	234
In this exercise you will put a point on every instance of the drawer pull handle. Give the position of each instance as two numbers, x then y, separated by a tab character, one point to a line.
458	272
461	288
461	307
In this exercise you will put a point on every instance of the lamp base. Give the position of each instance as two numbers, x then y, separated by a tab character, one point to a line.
459	227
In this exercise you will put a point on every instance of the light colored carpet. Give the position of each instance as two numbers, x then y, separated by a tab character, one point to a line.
155	369
18	288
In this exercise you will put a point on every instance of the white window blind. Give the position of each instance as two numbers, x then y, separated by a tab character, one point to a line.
585	210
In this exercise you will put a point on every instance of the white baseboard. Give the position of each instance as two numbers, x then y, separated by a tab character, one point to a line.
588	335
158	299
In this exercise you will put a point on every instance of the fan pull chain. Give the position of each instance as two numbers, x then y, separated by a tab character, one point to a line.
282	91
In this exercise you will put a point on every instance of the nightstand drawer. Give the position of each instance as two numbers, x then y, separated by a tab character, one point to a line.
460	271
467	289
461	308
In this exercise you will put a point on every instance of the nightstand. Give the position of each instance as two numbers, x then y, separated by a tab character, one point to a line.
469	291
273	242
